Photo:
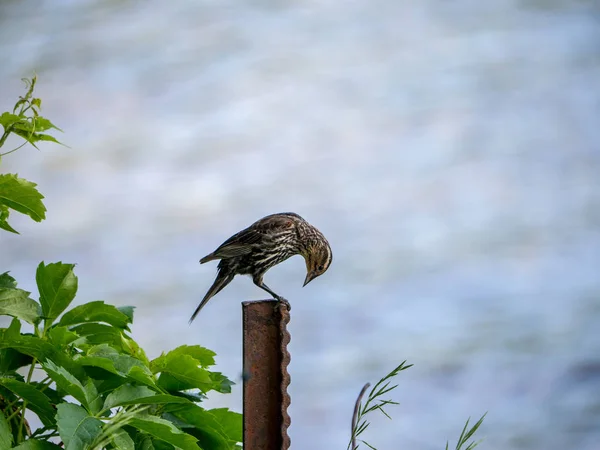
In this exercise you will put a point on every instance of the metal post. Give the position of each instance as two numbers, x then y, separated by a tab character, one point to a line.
265	375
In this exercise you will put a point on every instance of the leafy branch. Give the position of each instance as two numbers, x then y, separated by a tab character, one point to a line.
25	121
98	389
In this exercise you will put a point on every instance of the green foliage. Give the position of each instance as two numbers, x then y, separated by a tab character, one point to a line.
79	370
100	395
24	121
465	435
375	402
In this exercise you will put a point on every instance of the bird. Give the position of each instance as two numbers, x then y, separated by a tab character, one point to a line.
264	244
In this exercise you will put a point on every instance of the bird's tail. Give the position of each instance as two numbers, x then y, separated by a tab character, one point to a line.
222	280
208	258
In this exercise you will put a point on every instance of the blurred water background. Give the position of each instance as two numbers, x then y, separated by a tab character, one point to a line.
449	150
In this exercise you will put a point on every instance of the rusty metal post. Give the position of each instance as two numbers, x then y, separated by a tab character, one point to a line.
265	375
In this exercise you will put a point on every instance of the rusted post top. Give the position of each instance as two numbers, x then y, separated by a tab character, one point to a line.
266	378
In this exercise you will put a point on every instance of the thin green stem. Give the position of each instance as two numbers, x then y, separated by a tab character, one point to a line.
24	407
44	384
13	150
11	405
45	329
114	423
43	387
7	132
13	415
25	106
44	433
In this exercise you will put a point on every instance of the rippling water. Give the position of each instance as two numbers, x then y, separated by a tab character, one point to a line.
449	151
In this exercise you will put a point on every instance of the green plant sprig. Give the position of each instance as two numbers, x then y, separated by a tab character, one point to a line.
18	194
26	121
465	435
374	403
98	389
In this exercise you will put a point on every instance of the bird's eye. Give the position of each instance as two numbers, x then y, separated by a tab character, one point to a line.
320	268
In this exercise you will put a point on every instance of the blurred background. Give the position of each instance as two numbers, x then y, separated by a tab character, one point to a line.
449	150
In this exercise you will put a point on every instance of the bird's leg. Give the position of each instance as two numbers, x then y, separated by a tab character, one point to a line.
283	301
279	298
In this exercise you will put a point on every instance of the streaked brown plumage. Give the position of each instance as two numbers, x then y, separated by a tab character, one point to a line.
264	244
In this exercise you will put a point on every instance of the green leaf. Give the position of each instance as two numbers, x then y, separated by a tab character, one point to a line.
98	333
68	383
143	441
24	129
162	445
118	364
22	196
107	382
13	331
230	421
24	125
164	430
6	437
46	137
8	119
37	401
122	441
19	103
94	401
11	360
181	372
183	368
4	213
96	311
6	281
465	435
5	225
211	435
76	427
43	124
204	356
128	311
17	303
159	399
101	362
57	285
130	346
53	395
61	336
35	444
192	396
141	374
125	394
221	383
35	347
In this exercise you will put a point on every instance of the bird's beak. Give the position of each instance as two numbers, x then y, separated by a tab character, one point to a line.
309	277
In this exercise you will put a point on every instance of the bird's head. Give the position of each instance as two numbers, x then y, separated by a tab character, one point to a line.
318	258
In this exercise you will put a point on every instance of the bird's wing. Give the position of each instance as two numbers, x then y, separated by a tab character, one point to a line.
241	243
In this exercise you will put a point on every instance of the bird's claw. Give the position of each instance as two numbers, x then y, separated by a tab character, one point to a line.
280	301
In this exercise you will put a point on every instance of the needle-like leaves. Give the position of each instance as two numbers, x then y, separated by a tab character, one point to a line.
375	402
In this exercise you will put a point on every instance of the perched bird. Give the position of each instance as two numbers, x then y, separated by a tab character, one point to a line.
264	244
